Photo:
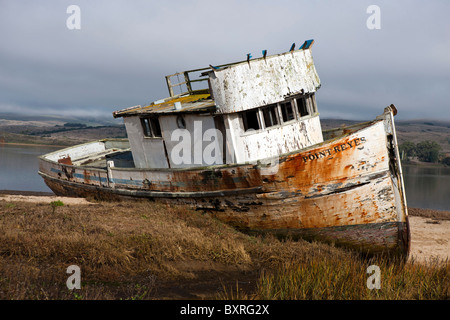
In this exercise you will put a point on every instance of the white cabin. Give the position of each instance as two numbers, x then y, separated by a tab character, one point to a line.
251	110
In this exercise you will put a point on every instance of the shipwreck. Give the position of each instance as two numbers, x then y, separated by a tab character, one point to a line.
244	142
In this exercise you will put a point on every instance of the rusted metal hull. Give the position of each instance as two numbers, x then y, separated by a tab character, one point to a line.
347	190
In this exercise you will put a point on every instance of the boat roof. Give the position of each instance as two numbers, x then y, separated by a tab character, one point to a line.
190	103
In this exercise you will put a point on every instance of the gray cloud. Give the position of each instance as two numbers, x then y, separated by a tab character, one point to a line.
124	49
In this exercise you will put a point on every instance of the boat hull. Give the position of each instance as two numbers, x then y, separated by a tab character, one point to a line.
373	238
347	190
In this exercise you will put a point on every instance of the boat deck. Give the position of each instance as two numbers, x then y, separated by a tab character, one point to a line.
95	154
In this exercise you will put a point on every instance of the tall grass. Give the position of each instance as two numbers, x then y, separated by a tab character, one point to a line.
320	278
121	248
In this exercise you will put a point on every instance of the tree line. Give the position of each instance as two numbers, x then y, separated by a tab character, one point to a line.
426	151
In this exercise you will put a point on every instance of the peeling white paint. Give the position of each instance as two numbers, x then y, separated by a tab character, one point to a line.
263	81
77	152
274	141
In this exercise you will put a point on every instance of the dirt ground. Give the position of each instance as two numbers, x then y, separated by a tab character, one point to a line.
430	238
430	229
42	199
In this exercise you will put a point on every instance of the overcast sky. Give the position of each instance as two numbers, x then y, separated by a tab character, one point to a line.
124	49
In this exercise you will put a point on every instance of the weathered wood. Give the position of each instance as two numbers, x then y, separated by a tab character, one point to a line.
263	82
337	184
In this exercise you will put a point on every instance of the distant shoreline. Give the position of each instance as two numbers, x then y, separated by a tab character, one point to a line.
424	164
33	144
26	193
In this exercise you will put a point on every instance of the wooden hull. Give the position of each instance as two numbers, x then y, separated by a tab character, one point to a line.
347	190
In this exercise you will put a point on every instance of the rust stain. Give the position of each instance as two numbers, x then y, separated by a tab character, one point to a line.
66	160
87	176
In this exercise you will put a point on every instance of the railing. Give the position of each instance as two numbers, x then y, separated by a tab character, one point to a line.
188	81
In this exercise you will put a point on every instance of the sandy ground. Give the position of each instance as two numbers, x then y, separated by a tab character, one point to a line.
430	238
430	232
43	199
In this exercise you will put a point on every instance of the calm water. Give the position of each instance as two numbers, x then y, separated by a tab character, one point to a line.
19	167
425	187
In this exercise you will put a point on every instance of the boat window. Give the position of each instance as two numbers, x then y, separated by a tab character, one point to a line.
181	123
156	129
151	127
250	119
313	103
270	116
287	111
146	127
302	107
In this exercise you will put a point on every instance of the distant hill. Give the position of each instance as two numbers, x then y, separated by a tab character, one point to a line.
89	121
420	130
57	130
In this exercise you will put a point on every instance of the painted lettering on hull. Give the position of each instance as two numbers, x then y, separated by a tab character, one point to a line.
336	149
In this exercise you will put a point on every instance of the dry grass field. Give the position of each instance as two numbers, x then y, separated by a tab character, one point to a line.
135	250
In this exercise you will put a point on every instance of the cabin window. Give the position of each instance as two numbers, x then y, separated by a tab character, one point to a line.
151	127
250	119
181	124
287	111
270	116
302	107
313	103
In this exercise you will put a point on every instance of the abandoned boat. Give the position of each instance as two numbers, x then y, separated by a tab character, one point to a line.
249	149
